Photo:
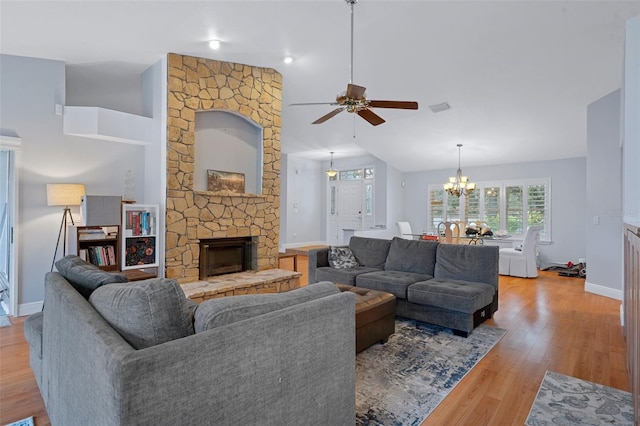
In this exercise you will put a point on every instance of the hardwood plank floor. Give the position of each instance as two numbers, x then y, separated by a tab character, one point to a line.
552	325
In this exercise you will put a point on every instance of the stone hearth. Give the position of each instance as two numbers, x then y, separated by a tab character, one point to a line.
199	84
250	282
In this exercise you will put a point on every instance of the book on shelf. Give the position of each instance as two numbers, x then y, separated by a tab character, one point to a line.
139	222
101	255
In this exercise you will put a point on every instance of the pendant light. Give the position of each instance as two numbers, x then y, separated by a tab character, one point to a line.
331	171
459	185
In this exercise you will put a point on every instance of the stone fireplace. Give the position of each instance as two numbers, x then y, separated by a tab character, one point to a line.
199	84
220	256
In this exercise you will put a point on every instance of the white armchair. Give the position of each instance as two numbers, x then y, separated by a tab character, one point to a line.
521	263
404	230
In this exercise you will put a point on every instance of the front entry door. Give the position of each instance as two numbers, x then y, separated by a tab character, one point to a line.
345	209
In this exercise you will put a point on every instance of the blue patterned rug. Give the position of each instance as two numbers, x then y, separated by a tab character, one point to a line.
404	380
24	422
564	400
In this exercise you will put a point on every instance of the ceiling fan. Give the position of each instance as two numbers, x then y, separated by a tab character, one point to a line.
354	99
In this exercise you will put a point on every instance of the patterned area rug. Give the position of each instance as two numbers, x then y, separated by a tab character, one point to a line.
564	400
24	422
404	380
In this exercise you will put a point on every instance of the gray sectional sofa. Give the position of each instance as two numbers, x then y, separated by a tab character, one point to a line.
139	354
454	286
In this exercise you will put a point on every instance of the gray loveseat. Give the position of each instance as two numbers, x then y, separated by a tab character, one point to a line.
280	359
454	286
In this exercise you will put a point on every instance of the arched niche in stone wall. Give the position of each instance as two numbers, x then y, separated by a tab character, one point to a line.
227	142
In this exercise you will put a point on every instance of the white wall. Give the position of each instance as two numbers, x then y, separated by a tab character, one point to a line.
154	105
631	144
29	90
568	200
604	197
302	202
86	84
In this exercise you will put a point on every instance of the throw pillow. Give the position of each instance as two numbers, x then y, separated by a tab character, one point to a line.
214	313
342	258
85	277
145	313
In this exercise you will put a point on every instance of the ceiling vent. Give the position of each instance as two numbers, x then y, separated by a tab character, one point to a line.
439	107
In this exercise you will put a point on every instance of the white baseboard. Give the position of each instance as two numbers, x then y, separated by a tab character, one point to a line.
29	308
603	290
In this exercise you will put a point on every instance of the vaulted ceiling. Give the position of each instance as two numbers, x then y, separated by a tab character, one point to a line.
518	75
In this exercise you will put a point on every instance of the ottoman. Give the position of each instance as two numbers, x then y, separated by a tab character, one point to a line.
375	315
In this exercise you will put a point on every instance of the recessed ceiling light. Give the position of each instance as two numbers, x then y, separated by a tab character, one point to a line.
214	44
288	59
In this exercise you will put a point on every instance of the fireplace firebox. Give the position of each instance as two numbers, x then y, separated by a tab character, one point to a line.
226	255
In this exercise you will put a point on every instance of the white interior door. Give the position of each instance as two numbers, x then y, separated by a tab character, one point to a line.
350	205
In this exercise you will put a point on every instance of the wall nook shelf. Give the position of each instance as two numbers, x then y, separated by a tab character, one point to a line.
107	124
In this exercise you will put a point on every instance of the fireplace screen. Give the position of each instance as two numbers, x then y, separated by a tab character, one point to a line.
225	256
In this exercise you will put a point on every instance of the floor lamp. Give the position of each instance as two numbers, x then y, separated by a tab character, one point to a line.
64	194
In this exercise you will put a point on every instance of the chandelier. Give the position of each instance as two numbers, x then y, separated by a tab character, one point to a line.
459	185
331	171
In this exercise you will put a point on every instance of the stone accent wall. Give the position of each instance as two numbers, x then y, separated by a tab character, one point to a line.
199	84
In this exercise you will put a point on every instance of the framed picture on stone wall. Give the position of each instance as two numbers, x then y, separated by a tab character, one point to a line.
218	180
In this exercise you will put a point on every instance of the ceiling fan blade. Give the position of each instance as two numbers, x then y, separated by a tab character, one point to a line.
315	103
393	104
328	116
371	117
355	92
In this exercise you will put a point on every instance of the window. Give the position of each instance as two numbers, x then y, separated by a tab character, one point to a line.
368	199
509	205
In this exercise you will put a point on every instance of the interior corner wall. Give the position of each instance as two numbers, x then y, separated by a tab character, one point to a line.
604	197
29	90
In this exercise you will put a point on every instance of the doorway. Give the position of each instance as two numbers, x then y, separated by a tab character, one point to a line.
8	216
350	203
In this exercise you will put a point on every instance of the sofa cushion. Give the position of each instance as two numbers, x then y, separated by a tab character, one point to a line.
370	252
394	282
85	277
454	295
145	313
218	312
467	263
342	258
341	276
412	256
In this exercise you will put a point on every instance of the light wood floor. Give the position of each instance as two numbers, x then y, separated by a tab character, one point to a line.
552	325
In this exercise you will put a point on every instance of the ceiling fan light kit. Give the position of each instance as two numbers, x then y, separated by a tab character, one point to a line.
459	185
354	99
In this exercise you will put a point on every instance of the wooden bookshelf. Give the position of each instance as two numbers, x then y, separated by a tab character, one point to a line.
99	245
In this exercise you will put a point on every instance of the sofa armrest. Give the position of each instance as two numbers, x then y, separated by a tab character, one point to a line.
317	259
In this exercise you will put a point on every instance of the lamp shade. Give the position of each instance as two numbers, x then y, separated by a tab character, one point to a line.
64	194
